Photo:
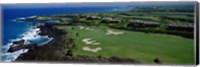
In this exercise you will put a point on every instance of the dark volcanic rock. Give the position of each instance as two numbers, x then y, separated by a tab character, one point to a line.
20	42
54	50
15	48
122	60
99	59
18	45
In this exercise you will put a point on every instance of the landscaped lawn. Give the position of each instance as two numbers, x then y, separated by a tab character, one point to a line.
141	46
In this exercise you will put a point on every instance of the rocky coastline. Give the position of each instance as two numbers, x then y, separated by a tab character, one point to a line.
60	49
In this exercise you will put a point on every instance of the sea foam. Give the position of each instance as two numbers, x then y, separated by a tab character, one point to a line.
30	36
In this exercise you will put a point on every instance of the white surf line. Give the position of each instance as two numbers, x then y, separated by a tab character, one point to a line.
92	50
50	39
111	32
28	35
9	57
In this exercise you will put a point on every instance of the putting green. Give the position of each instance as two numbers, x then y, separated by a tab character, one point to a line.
144	47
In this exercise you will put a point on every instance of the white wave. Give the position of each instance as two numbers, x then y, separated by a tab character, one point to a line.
31	34
6	47
32	17
50	39
22	18
13	56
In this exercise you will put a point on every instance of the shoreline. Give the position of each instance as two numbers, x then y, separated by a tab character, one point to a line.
60	49
22	44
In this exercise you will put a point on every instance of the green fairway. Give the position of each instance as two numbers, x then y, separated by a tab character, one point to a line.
141	46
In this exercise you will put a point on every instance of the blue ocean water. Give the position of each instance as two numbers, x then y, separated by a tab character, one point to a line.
15	30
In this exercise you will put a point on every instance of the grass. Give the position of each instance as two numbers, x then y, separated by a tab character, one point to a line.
137	45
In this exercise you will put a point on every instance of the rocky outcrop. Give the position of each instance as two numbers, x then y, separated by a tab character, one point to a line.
16	48
55	50
99	59
20	44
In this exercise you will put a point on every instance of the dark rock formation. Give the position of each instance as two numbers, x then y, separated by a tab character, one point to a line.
19	42
16	48
55	50
18	45
99	59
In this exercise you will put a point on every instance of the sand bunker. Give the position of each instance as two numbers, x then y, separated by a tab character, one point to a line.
89	29
90	41
92	50
111	32
81	27
86	28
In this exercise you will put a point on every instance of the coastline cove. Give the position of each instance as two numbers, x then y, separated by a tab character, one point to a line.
15	30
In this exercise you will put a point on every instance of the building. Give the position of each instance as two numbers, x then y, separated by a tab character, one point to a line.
188	28
142	24
111	20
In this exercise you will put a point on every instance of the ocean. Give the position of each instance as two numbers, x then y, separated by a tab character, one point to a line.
13	31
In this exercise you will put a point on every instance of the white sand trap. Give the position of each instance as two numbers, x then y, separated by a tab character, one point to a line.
111	32
90	29
81	27
92	50
90	41
86	28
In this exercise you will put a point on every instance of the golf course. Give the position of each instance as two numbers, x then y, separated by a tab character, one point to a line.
141	35
144	47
